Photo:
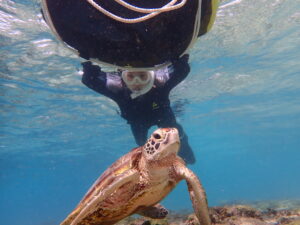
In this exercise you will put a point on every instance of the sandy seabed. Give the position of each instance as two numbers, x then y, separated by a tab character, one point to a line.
260	213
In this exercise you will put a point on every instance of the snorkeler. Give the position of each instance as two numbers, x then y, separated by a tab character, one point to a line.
143	97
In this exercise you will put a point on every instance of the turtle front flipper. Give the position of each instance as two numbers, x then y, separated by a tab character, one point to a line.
197	193
155	212
83	212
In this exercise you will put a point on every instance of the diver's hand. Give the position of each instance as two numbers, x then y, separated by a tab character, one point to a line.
90	69
182	63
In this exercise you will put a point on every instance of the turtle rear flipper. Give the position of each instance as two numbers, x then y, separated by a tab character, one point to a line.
155	212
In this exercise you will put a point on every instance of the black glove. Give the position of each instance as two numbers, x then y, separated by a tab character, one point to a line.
182	63
90	69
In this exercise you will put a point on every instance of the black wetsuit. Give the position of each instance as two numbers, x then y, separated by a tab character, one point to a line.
144	111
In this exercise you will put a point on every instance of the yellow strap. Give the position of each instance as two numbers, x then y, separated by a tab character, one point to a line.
214	7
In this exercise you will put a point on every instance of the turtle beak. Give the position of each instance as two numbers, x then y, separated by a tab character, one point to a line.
174	140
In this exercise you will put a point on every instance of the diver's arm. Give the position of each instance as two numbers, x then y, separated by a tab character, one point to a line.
178	71
95	79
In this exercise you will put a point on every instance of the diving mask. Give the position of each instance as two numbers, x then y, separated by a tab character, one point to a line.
131	78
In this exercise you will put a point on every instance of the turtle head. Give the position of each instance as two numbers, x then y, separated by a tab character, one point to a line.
162	143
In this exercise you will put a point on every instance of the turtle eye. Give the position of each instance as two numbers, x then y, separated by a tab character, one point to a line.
156	136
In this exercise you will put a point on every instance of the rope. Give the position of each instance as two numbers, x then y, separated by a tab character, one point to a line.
136	20
151	12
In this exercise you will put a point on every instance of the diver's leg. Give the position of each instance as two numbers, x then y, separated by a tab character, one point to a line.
139	131
185	151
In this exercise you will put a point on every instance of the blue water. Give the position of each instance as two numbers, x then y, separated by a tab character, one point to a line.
240	106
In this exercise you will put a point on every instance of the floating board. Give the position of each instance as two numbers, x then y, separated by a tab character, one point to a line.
142	45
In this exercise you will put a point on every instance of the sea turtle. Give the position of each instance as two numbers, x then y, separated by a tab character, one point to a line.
137	182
